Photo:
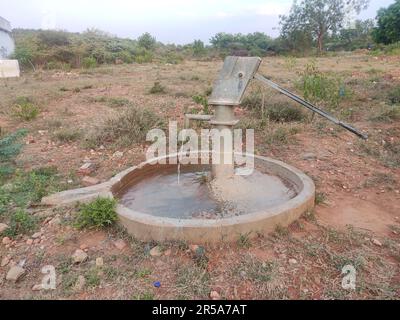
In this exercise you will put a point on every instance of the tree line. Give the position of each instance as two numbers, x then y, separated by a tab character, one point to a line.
310	26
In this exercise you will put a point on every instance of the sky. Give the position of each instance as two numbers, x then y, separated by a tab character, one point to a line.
170	21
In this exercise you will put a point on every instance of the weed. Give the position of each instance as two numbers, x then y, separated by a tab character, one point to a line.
192	282
92	278
9	149
157	88
144	296
68	135
255	270
284	113
89	63
20	223
203	101
244	241
388	115
118	102
281	231
25	109
130	126
143	273
394	95
98	214
320	198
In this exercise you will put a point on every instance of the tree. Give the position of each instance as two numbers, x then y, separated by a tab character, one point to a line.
147	41
319	18
388	29
198	48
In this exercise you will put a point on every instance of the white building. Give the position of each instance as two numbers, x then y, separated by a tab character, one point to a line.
7	45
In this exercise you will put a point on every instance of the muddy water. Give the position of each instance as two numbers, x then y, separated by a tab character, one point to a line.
163	196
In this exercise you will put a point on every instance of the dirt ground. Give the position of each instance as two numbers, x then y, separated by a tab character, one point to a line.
356	220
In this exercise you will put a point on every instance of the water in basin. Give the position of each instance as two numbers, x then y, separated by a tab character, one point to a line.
162	195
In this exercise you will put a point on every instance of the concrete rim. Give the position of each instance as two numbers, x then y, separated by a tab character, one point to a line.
149	227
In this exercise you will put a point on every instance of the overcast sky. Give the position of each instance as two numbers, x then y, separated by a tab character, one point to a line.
171	21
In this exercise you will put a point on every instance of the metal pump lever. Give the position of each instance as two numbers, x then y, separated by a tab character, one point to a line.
309	105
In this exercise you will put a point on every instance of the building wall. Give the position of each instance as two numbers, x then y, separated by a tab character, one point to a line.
7	45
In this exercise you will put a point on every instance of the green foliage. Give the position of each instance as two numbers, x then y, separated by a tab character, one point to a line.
98	214
203	101
25	109
394	95
252	44
130	126
157	88
68	135
285	113
9	149
198	48
317	18
388	24
20	223
89	63
318	87
147	41
388	114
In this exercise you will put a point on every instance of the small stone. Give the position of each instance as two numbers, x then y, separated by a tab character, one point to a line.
55	221
5	261
80	283
118	154
309	156
37	287
83	246
87	169
99	262
3	227
167	252
292	261
79	256
281	269
36	235
120	244
15	273
89	181
377	242
6	241
214	295
156	252
29	242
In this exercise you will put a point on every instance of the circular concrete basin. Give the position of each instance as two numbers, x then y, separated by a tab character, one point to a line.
146	226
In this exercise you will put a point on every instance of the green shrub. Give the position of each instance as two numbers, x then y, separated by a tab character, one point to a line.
98	214
317	87
89	63
284	113
68	135
203	101
394	95
157	88
20	223
25	109
130	126
9	149
388	114
117	102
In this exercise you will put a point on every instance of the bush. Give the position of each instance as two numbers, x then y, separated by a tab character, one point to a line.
9	149
203	101
317	87
388	115
68	135
20	223
89	63
98	214
25	109
285	113
130	126
157	88
394	96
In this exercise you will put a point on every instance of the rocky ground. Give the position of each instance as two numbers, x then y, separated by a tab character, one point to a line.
356	220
